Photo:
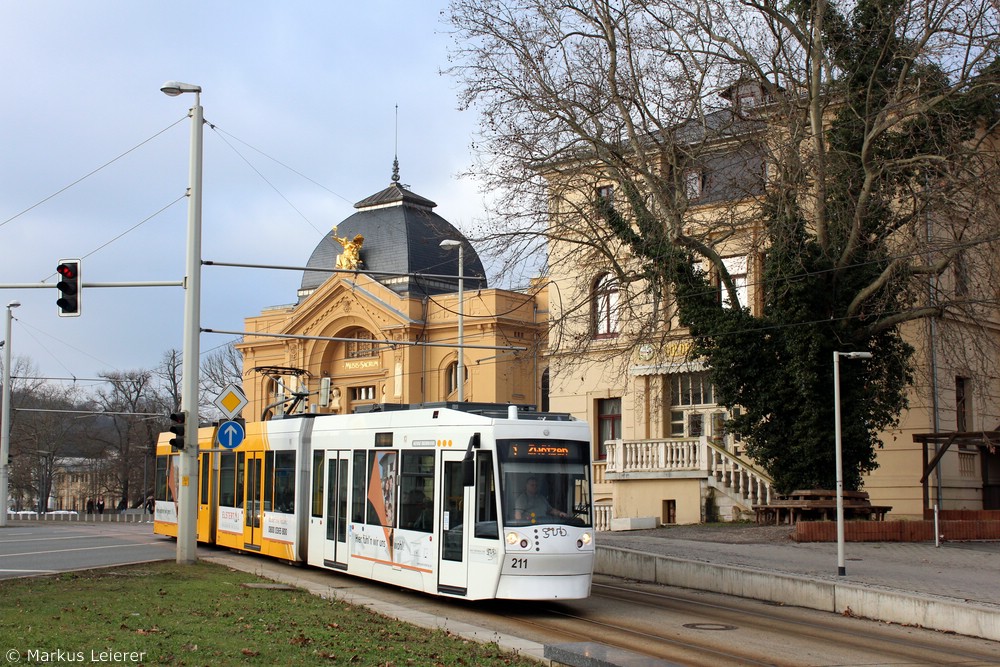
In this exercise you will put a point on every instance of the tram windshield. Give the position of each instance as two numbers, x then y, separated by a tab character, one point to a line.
544	481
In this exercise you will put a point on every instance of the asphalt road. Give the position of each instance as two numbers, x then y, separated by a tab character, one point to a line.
683	626
33	548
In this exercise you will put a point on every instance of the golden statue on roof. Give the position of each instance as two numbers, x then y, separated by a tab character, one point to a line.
351	257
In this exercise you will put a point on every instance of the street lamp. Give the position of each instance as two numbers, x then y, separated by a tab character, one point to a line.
187	493
448	244
5	417
841	569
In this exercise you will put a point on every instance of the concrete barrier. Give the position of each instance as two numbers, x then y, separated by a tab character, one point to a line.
966	618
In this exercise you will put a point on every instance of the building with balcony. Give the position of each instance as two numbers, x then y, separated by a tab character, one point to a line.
623	362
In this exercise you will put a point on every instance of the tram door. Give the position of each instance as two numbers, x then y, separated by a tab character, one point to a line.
452	524
337	485
253	510
206	513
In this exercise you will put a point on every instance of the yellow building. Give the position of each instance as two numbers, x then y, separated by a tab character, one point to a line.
661	452
378	316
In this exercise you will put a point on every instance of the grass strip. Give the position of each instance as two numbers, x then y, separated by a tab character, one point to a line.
207	614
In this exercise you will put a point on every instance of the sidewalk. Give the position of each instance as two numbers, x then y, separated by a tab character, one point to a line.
953	587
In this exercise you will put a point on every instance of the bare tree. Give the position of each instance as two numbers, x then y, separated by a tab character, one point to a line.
169	372
41	434
220	368
846	150
129	427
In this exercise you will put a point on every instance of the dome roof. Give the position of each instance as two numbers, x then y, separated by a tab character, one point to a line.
402	237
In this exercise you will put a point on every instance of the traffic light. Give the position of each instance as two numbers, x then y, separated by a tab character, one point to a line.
69	287
177	420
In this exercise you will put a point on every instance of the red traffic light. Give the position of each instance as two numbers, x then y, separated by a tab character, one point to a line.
69	286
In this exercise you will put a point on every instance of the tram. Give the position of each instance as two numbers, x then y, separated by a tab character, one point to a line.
434	498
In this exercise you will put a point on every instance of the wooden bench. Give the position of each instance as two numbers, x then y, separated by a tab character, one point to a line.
818	503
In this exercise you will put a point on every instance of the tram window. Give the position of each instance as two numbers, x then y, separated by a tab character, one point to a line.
268	481
486	499
358	487
162	462
416	490
227	480
205	469
382	489
383	439
317	484
284	482
452	494
581	499
240	478
341	487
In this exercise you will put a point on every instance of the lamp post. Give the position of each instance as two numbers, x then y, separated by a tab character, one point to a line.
841	569
448	244
5	417
187	492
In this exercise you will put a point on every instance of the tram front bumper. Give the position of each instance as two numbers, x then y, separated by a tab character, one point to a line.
546	576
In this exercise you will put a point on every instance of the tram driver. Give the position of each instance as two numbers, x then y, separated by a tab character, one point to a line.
531	505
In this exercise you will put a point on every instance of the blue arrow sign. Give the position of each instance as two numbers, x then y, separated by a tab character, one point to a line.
231	434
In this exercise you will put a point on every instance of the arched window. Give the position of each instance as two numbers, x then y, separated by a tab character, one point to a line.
605	306
363	347
453	376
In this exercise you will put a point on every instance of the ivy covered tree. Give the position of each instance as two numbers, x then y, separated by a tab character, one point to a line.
853	147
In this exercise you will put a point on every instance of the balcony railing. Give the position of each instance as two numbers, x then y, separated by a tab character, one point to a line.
603	515
665	456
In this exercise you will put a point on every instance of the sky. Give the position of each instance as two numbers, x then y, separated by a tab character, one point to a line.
301	101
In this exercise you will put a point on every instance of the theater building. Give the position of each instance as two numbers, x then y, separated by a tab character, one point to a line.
377	320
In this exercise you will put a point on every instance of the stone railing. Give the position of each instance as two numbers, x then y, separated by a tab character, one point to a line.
603	514
655	456
663	456
598	468
748	484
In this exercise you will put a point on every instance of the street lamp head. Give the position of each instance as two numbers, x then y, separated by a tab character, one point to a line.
13	304
856	355
175	88
448	244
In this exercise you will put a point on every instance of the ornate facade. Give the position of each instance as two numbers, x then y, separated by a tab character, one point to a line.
384	327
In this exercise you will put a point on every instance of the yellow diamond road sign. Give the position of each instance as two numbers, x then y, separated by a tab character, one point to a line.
231	401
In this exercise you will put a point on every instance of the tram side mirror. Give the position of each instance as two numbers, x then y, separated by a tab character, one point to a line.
469	462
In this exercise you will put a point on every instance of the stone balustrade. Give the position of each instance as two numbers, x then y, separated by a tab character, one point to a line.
664	457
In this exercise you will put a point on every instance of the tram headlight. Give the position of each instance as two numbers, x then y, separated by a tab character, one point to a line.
516	539
584	540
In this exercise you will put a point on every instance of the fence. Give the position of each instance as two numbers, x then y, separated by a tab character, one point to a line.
127	516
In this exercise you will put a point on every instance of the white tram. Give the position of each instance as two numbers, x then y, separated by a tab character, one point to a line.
423	497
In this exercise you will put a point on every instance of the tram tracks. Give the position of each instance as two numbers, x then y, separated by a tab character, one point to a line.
686	627
693	628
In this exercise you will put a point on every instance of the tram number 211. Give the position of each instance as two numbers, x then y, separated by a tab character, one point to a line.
519	563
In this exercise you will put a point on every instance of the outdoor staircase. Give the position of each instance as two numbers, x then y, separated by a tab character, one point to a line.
731	486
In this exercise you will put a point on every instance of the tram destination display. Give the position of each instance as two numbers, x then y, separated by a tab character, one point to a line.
566	451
